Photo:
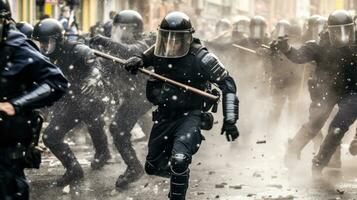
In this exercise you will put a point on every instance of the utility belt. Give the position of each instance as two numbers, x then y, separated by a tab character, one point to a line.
25	150
162	114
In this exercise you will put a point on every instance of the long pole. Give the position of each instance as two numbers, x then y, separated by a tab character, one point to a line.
159	77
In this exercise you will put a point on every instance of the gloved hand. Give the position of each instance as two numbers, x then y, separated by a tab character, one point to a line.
133	64
230	130
280	44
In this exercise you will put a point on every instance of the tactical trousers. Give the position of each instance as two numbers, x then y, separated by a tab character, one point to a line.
174	139
124	121
319	112
340	124
13	184
65	117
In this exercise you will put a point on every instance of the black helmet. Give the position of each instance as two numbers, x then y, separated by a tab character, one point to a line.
174	36
49	32
282	28
257	27
127	25
240	27
341	28
223	25
48	28
5	10
25	28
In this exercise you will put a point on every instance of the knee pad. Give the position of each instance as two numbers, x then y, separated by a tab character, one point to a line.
179	163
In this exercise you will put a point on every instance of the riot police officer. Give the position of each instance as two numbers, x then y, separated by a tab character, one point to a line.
176	134
25	28
324	93
341	29
28	82
309	28
240	28
127	39
82	104
286	77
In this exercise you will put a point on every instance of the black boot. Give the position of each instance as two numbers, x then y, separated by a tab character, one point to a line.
74	171
134	170
100	159
179	185
72	176
130	175
327	149
296	145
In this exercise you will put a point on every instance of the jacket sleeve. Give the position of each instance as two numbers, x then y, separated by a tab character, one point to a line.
306	53
215	72
49	83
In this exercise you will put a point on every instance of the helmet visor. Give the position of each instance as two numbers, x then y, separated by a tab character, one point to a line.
341	35
172	44
316	31
47	46
123	32
242	27
257	32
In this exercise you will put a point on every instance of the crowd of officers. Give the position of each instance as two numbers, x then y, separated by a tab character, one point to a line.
42	68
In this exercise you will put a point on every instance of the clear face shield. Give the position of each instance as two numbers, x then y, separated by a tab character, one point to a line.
242	27
172	44
341	35
316	31
282	31
123	32
47	47
257	32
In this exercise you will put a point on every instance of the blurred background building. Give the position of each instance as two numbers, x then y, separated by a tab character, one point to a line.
204	13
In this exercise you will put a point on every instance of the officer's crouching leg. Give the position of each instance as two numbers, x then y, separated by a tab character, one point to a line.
179	176
53	139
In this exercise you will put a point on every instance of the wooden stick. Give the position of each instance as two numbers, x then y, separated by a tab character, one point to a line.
159	77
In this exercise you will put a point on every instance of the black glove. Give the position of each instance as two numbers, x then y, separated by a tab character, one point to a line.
280	44
133	64
231	131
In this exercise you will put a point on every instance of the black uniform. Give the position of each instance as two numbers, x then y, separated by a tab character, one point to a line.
134	105
347	104
81	67
322	90
127	40
28	81
176	134
285	85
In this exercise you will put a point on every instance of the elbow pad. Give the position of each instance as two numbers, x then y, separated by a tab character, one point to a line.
230	108
212	67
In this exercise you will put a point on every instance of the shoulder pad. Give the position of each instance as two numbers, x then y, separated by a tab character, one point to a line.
211	66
